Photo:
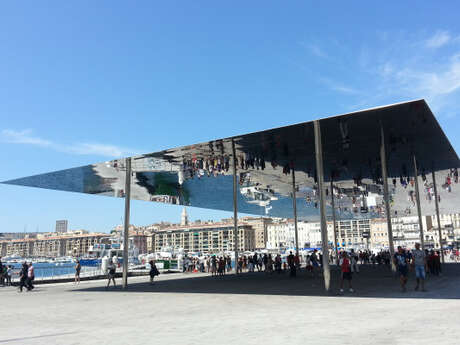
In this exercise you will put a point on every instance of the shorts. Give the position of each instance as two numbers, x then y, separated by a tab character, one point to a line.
346	275
403	271
420	271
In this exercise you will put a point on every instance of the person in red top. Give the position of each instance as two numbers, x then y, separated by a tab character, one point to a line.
345	267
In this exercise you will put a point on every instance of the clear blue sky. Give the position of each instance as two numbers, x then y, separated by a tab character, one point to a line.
85	81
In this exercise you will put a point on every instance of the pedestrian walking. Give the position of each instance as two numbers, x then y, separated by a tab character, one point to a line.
221	267
30	277
291	263
214	265
23	277
346	274
77	271
9	273
354	261
4	275
240	265
314	262
419	263
229	264
401	262
278	263
111	274
153	271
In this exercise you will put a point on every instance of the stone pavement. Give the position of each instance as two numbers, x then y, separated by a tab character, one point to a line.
247	309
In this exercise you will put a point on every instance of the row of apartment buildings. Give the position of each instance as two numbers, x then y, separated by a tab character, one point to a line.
254	233
75	243
268	233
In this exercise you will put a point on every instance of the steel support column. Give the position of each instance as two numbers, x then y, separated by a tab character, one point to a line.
334	223
438	218
419	208
383	161
235	208
322	205
294	206
126	225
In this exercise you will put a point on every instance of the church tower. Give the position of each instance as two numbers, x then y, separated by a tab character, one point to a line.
184	217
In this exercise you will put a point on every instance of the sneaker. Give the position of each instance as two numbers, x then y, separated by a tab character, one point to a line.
416	288
341	291
351	290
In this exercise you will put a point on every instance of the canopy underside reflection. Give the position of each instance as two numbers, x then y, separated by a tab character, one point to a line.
201	175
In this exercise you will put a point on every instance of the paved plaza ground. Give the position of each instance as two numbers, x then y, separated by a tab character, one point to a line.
247	309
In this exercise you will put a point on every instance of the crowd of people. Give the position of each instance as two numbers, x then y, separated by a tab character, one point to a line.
26	275
422	262
6	272
266	262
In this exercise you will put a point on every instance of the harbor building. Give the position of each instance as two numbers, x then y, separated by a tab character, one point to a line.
260	225
281	234
205	238
20	247
45	245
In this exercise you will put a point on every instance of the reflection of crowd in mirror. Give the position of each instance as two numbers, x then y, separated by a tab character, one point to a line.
248	160
117	164
428	187
452	176
212	166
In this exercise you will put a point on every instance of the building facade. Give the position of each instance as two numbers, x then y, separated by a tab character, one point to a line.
61	226
281	234
260	225
53	245
22	247
205	238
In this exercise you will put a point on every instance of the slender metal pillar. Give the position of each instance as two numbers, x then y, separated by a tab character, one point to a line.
322	205
419	208
235	208
438	218
294	206
126	226
383	161
334	224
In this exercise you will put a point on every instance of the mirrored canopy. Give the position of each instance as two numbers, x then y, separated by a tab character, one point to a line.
200	175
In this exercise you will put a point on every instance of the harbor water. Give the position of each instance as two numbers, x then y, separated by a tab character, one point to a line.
46	270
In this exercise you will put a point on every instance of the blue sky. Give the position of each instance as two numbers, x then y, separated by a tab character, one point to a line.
83	82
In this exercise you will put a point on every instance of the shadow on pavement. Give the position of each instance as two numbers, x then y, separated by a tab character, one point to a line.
372	281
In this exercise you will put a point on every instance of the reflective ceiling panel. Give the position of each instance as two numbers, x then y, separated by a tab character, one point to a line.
201	175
